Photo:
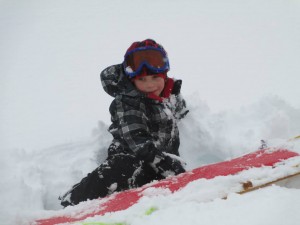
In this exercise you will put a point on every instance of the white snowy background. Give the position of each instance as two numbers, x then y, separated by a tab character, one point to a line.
239	62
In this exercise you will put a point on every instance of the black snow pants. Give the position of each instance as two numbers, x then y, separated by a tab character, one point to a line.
117	173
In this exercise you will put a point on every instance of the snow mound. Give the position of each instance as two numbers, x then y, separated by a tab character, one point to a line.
32	180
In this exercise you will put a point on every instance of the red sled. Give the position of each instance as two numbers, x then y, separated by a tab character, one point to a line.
271	158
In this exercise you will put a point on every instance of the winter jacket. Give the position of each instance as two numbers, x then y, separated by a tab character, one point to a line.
139	124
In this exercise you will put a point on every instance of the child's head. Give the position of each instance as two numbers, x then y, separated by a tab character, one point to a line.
146	64
145	57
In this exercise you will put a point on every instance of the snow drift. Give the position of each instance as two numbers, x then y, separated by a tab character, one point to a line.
33	180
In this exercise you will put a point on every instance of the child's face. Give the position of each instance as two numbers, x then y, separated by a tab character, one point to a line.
150	84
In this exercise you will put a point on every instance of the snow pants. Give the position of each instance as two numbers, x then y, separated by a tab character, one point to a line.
117	173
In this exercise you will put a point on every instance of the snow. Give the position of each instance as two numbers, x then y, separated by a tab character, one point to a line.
271	205
54	113
33	180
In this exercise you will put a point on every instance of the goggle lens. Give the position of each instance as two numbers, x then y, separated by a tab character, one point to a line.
153	59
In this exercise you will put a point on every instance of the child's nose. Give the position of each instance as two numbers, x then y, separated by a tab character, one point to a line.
151	84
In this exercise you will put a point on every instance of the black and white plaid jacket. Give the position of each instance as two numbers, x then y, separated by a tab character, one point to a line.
137	120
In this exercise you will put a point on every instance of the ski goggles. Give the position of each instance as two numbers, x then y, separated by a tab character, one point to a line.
154	59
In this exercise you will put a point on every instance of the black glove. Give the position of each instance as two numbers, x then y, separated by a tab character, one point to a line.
177	87
168	164
148	152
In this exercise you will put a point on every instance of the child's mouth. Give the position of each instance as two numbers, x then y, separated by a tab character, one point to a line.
153	92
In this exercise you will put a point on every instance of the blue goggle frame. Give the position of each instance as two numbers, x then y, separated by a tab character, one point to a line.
165	67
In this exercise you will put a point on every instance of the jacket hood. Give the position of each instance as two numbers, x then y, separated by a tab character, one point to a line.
115	82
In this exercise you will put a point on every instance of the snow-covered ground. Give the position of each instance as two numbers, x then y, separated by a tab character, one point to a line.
31	181
239	65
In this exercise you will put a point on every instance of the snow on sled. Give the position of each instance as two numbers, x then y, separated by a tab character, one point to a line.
243	174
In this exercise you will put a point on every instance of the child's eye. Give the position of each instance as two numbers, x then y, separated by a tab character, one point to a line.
141	78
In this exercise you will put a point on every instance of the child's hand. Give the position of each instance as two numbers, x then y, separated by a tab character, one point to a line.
148	152
168	166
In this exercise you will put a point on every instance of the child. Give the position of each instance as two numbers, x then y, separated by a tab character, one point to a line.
144	116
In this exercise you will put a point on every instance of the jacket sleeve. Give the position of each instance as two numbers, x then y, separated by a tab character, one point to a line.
133	128
180	109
